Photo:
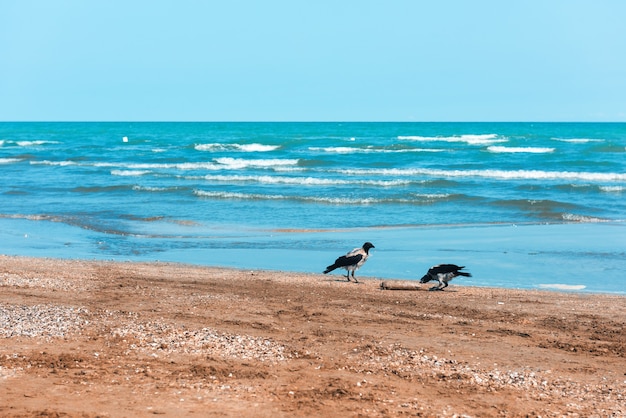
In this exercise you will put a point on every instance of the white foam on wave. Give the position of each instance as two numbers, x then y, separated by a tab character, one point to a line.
572	217
54	163
352	150
203	165
255	147
9	160
129	173
431	196
484	139
34	143
239	163
306	181
313	199
153	166
613	189
492	174
577	140
560	286
530	150
150	189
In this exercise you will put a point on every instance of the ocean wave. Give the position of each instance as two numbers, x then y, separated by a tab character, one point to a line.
577	140
156	189
55	163
216	147
561	286
239	163
613	189
84	222
417	198
433	197
177	166
154	166
100	189
135	166
29	217
129	173
550	208
484	139
33	143
217	164
530	150
370	149
492	174
312	181
572	217
9	160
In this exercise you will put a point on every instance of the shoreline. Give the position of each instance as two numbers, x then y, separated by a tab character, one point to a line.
103	338
589	256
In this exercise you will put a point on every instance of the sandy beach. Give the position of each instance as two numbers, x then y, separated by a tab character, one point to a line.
109	339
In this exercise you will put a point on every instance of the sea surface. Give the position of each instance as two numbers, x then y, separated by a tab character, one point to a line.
521	205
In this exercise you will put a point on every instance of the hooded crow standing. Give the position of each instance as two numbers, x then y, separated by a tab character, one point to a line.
443	273
351	261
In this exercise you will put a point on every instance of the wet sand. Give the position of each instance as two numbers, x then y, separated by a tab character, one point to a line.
107	339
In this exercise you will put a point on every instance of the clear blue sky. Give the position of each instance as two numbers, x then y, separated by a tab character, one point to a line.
313	60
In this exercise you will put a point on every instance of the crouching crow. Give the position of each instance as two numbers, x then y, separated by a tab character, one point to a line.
443	273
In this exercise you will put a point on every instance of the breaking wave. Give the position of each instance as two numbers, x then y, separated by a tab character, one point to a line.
33	143
578	140
239	163
613	189
572	217
484	139
492	174
311	181
530	150
355	150
416	198
218	147
57	163
129	173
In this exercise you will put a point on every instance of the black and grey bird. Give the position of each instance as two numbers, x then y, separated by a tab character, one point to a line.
351	261
443	273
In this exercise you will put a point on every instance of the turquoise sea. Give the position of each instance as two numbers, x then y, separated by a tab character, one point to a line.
521	205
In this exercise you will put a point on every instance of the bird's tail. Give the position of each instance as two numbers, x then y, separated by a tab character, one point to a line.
330	268
462	273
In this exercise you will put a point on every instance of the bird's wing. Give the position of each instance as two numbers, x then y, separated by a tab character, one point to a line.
346	260
443	268
355	252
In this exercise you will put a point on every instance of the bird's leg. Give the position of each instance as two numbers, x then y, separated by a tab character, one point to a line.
348	275
355	280
440	286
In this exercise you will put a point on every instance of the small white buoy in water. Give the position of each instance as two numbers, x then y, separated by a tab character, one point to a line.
125	139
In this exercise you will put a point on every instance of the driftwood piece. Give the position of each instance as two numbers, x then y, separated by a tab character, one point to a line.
388	286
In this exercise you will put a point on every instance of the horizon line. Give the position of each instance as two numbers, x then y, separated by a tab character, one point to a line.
303	121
